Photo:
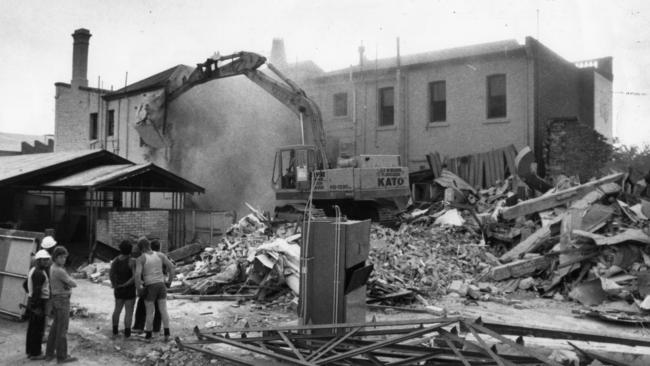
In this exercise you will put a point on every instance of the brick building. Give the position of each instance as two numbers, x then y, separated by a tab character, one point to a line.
223	134
460	101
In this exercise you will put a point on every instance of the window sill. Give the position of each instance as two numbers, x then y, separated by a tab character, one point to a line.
386	128
496	121
437	124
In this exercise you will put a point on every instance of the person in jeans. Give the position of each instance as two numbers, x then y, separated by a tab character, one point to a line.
149	277
121	276
38	290
61	285
140	309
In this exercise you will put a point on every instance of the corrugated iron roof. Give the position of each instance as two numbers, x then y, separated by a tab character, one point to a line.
17	165
120	176
94	176
99	169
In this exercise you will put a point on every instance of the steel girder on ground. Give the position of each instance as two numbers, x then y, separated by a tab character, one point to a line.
436	341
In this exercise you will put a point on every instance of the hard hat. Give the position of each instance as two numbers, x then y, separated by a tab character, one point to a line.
48	242
42	254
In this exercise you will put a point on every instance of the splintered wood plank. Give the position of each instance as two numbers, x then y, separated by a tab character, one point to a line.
534	241
519	268
546	202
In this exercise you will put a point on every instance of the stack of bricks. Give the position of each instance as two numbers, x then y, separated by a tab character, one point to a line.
125	224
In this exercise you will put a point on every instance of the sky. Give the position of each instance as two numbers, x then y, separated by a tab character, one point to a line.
132	40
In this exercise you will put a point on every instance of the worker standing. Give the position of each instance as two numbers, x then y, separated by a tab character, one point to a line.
122	279
149	278
38	294
61	285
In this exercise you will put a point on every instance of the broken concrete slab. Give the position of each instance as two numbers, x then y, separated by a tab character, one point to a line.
589	293
549	201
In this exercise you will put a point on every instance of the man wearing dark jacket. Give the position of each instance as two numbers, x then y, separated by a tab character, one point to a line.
38	289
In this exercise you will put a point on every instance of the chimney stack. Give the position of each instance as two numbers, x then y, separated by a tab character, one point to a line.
81	38
362	55
278	56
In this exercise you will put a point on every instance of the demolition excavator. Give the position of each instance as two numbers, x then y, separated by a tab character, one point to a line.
365	186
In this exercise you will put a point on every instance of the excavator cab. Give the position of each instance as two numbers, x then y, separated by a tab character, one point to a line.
294	166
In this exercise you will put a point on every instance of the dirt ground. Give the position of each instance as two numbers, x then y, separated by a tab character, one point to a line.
91	341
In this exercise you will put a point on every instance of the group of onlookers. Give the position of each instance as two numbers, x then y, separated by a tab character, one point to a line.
140	270
144	271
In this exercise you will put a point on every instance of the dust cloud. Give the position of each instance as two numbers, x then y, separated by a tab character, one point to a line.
225	134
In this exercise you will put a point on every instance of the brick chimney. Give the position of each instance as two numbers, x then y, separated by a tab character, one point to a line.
81	38
278	56
362	54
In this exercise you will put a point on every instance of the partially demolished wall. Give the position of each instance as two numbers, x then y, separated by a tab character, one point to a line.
223	137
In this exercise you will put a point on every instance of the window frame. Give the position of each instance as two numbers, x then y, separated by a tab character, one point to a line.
334	104
110	123
432	114
381	108
93	126
489	99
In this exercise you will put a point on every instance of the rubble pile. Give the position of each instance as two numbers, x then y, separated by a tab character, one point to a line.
97	272
423	259
252	260
595	251
586	242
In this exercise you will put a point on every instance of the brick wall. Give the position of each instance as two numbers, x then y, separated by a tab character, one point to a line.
573	148
72	117
124	224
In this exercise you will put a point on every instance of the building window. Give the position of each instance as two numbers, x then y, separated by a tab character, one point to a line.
437	101
386	107
110	123
145	200
93	126
340	104
496	96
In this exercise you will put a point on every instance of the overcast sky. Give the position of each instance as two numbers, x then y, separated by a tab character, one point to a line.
146	37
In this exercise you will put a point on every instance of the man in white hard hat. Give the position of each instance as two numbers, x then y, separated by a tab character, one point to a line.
48	243
38	295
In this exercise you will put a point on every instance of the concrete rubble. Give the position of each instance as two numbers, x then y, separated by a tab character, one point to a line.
586	243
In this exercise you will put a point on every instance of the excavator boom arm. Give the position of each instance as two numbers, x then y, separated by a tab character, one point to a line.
287	92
